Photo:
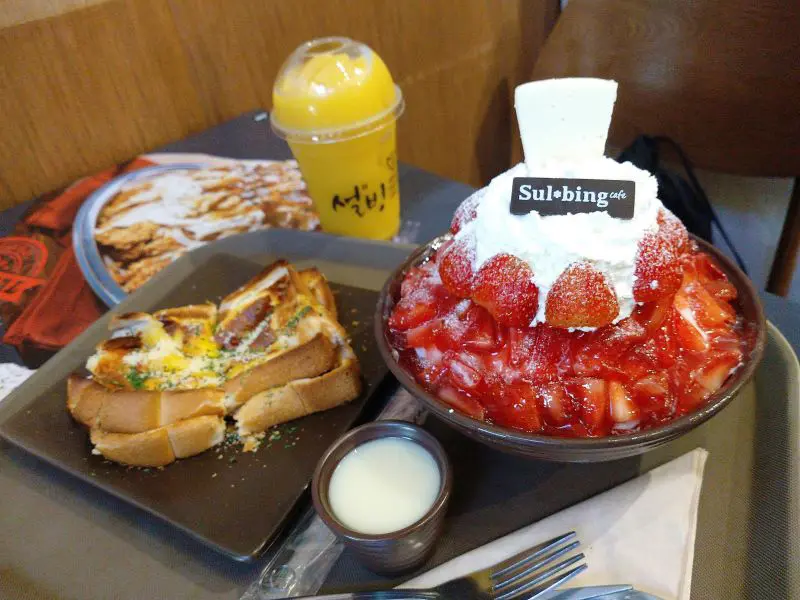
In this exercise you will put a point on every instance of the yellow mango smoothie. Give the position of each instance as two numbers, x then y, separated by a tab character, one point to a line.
336	104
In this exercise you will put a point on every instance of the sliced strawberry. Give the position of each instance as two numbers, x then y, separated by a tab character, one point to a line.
541	352
713	278
425	335
593	401
706	268
658	270
457	267
623	409
520	344
581	297
691	335
727	339
456	322
714	373
651	315
501	372
613	341
416	278
470	327
708	311
410	312
665	344
637	362
465	372
524	412
724	291
589	363
462	402
595	353
673	230
466	212
431	364
698	382
504	286
654	384
554	402
654	396
483	334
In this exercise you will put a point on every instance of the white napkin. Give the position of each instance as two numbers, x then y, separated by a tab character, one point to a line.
11	376
639	533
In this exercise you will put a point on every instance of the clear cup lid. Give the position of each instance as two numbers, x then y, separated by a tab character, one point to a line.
331	89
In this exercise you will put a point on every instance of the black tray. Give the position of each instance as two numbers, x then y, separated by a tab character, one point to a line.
234	501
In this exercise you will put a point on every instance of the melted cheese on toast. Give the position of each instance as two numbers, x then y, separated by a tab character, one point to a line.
200	346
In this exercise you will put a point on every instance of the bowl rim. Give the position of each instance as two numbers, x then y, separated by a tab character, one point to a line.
378	430
502	435
87	253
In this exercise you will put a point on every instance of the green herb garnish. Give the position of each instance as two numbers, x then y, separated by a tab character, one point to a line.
292	323
137	379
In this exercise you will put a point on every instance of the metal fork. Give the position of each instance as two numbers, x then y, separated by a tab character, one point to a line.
525	576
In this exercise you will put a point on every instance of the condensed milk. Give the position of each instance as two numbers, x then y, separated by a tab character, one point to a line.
384	485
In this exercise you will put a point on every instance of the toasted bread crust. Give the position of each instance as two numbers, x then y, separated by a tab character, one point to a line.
123	411
313	358
193	311
335	387
318	286
161	446
299	398
194	436
84	399
146	449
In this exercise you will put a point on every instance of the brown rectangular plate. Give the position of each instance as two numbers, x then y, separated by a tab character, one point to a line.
234	501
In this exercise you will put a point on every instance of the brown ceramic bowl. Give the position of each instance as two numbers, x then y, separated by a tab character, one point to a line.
546	447
400	550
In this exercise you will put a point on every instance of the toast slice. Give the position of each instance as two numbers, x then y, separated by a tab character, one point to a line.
316	356
125	411
199	346
299	398
317	284
170	349
159	447
162	384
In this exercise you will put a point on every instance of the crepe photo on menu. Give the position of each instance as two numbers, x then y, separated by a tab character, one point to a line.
151	221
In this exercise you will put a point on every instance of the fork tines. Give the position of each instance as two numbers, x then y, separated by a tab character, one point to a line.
531	573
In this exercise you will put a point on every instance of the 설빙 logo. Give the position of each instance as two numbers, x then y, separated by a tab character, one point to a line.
21	260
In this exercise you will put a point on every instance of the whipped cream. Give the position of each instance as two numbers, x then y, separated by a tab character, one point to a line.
563	125
550	244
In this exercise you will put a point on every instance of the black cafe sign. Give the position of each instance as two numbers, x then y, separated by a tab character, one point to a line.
549	196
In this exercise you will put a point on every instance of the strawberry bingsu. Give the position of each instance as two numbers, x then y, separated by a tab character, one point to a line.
556	307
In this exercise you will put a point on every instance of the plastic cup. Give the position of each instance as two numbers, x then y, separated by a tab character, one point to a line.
336	105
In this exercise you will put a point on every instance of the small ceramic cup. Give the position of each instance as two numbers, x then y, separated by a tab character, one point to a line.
400	550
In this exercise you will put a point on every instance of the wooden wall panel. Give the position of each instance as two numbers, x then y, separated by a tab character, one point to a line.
87	88
15	12
457	70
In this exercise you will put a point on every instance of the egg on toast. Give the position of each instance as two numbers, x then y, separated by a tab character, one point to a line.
271	352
